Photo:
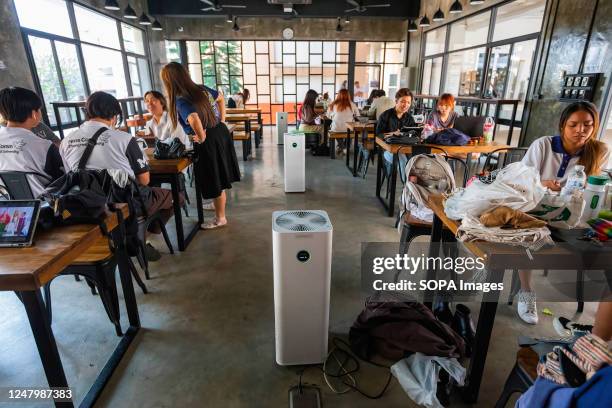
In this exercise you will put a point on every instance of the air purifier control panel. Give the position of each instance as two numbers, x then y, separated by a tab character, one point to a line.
303	256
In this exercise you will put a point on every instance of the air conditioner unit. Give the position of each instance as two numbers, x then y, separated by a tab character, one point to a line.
281	127
302	252
295	163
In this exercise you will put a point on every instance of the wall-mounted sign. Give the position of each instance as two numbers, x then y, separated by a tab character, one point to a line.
579	87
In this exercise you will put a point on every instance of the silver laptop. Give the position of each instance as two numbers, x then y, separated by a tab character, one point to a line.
18	219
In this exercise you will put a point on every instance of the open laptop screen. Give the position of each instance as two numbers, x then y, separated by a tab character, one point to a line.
18	220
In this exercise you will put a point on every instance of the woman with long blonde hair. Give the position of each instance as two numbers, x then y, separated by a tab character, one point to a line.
554	157
197	110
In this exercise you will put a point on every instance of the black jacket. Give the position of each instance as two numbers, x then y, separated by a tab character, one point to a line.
389	122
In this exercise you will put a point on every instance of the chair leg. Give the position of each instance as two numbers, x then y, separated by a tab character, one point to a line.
137	276
580	290
77	278
142	258
47	298
513	384
107	287
92	286
166	237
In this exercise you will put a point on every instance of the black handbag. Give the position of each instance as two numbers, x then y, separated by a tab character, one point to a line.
164	151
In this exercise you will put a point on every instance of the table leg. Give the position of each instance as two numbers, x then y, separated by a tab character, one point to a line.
393	181
484	328
245	153
379	168
468	163
347	144
45	342
355	151
176	205
332	148
512	117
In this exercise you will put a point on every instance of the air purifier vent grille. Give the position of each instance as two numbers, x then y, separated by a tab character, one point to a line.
301	221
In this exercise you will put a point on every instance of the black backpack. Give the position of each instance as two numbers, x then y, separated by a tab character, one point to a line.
83	196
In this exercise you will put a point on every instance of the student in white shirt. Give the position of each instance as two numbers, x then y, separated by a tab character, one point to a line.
380	103
238	100
160	124
340	111
554	157
114	150
20	149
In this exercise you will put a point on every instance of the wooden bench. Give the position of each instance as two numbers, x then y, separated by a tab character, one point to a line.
245	138
255	123
332	137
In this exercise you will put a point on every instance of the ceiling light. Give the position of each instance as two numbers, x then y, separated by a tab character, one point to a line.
456	8
111	5
424	22
438	16
129	13
412	27
229	19
347	20
235	27
144	20
156	26
476	2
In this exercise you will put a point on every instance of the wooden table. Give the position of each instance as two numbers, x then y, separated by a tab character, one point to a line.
27	270
356	128
170	171
396	149
248	112
498	258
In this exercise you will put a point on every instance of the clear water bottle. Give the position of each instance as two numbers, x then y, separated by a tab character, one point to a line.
487	129
575	182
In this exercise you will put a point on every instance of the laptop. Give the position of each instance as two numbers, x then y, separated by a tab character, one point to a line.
18	219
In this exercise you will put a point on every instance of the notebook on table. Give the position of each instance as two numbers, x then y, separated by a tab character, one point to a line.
18	219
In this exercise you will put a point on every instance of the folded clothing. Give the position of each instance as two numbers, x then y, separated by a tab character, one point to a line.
471	229
507	217
403	138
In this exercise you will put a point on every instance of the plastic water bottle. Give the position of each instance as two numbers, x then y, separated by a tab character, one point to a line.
594	195
487	129
575	182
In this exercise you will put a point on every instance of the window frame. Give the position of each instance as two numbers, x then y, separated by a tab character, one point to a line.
488	45
77	42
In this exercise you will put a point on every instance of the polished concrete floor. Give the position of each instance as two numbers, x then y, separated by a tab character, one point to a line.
207	337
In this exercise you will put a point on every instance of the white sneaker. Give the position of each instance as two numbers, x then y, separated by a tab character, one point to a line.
526	308
210	206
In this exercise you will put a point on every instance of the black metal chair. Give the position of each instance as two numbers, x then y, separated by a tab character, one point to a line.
521	377
502	157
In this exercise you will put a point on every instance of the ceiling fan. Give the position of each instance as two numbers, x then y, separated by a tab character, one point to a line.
216	6
361	8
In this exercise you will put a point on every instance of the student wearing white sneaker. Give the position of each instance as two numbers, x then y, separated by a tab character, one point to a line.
554	157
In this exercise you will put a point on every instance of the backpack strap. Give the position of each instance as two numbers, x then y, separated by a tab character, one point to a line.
91	143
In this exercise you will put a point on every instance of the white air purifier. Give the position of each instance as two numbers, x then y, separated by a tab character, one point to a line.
302	252
281	127
295	163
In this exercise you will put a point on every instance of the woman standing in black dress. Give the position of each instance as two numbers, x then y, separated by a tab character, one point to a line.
195	108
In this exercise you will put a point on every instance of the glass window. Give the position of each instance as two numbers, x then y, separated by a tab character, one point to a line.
248	51
133	39
49	16
105	70
517	18
47	74
497	72
470	31
139	75
193	51
519	75
71	71
464	72
394	55
434	41
173	51
391	76
96	28
369	52
195	72
329	52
